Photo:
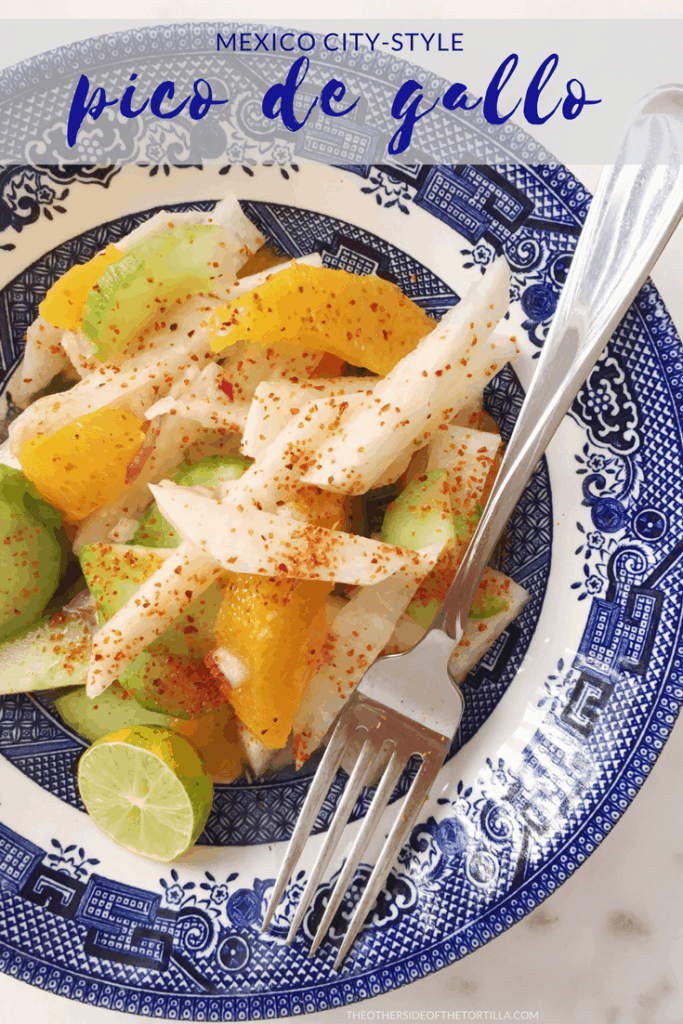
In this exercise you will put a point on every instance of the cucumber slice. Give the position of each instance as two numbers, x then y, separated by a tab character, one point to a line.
113	573
170	676
113	286
486	606
181	687
49	655
140	287
31	554
421	515
114	709
213	470
154	530
423	614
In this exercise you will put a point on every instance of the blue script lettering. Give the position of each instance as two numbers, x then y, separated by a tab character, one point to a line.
409	97
574	101
495	87
404	109
334	90
165	91
279	100
455	98
127	98
86	104
574	104
536	87
82	104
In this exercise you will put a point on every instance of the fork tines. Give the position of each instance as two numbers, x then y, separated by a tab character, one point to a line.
365	716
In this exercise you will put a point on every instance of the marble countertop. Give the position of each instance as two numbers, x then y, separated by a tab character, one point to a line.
605	948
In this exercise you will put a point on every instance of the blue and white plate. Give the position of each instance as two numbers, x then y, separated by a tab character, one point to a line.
565	715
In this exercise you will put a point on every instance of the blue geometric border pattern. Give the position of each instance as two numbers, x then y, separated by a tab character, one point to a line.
31	735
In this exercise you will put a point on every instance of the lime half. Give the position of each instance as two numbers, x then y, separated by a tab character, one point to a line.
147	789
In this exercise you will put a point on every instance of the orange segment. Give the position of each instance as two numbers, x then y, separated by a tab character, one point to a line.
64	304
364	320
215	736
277	627
314	505
329	366
83	466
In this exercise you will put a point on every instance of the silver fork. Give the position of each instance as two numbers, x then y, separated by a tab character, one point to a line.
407	704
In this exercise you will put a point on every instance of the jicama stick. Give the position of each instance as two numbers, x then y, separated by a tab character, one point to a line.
252	364
276	401
274	476
286	363
273	545
205	401
481	633
258	755
469	414
43	359
159	600
81	352
406	634
422	392
358	633
467	456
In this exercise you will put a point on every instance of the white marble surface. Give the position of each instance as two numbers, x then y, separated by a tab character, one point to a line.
607	947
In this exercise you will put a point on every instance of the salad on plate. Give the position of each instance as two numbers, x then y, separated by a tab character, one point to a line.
237	479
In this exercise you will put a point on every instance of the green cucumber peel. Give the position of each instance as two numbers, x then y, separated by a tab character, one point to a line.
135	290
424	614
464	523
102	297
33	552
114	575
17	489
188	639
213	470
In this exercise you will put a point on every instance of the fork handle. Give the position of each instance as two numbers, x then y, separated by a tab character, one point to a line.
638	202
